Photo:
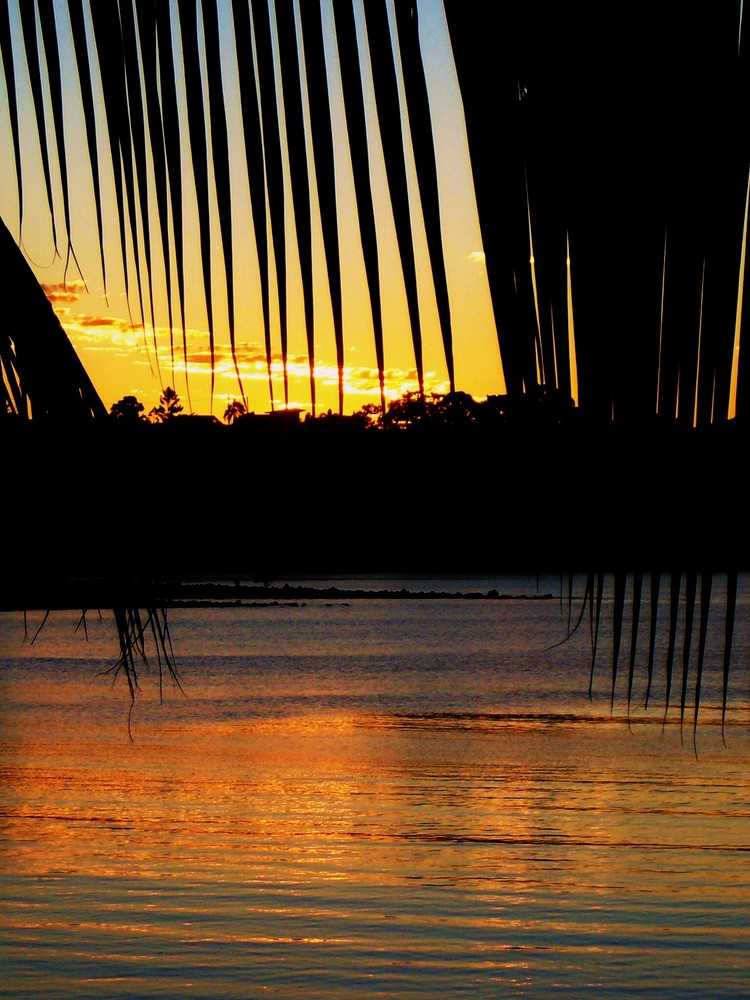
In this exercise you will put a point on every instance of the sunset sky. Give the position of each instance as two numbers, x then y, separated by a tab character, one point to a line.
121	356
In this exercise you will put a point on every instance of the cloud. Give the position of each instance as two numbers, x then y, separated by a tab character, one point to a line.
121	337
64	291
476	257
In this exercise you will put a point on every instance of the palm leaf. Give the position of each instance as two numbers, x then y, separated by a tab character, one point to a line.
655	594
732	578
391	136
31	48
354	108
83	67
596	617
146	21
691	583
488	43
675	584
199	155
220	153
47	379
618	611
172	144
111	59
325	174
254	160
297	152
138	147
52	58
705	608
635	620
6	53
420	129
274	170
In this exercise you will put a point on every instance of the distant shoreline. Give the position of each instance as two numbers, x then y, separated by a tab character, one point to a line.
76	594
243	595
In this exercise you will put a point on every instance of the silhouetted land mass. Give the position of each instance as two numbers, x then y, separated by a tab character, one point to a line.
117	509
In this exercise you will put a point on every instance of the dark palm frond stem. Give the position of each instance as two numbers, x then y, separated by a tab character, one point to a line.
31	48
274	173
420	130
297	148
354	109
220	152
691	584
391	136
6	53
146	20
674	607
618	610
199	156
83	65
172	145
655	589
254	160
325	174
732	581
635	621
705	609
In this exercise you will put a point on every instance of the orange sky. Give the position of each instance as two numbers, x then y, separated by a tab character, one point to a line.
120	355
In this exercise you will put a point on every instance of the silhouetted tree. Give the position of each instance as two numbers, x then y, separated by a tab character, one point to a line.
168	408
234	410
371	415
127	410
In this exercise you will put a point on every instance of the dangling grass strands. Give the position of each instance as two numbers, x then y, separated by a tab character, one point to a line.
587	600
157	619
618	610
131	631
732	580
44	622
691	584
83	623
705	608
596	615
674	607
655	593
635	621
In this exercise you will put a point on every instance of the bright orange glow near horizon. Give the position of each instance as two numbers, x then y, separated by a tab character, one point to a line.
124	356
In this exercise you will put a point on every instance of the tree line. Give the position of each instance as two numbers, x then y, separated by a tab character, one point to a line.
456	409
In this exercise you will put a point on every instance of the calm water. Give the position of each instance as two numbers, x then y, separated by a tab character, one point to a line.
380	798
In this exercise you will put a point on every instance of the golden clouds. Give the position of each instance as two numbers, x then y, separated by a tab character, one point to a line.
112	339
64	291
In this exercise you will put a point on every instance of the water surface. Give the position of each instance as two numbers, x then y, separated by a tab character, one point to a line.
387	798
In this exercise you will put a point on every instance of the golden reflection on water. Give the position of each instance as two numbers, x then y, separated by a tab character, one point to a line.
251	840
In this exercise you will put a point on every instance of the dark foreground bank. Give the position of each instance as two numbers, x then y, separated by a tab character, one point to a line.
127	510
